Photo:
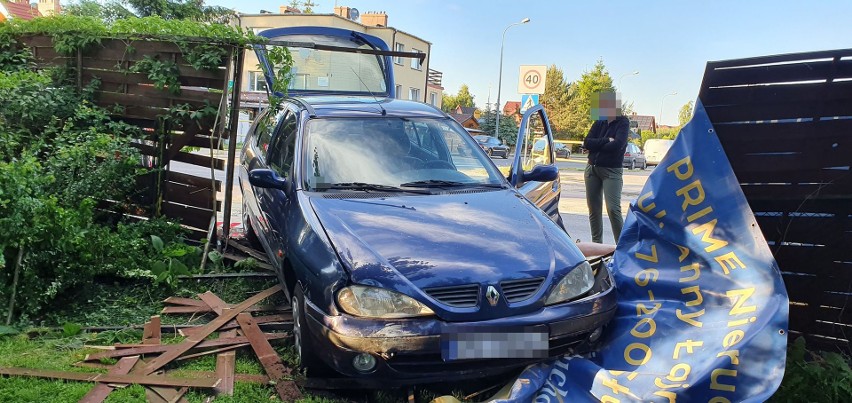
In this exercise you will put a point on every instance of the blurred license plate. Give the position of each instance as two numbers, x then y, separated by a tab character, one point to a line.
483	343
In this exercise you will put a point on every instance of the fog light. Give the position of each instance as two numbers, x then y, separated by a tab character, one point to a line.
595	335
364	362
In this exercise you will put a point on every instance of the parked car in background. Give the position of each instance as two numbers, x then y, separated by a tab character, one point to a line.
633	157
404	251
562	150
492	146
656	149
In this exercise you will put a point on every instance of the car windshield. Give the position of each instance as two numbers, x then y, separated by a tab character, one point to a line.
393	152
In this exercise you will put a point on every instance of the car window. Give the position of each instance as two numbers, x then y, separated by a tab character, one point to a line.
392	151
263	133
283	147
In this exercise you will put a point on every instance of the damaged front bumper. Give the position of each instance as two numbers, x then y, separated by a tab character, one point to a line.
412	348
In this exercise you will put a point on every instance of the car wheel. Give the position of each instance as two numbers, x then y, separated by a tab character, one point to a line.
644	165
251	235
490	152
305	355
632	164
506	155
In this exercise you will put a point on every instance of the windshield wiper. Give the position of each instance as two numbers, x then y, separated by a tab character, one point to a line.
434	183
365	187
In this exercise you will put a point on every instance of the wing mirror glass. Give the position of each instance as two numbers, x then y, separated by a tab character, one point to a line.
542	173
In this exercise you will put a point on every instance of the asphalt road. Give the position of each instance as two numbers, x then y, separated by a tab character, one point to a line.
572	205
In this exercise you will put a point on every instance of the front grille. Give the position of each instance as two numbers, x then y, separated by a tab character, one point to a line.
460	296
519	290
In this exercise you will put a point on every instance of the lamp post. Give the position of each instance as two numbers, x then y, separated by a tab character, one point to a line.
500	77
661	107
635	73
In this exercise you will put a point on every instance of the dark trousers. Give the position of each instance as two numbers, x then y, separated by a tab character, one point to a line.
604	183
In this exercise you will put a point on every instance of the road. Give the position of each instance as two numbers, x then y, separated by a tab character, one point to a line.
572	205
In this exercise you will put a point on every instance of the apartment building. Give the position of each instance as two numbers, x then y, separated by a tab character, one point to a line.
414	80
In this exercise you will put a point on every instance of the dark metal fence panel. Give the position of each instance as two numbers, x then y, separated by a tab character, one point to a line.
785	123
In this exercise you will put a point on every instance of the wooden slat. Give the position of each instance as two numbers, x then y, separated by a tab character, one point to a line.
133	78
772	94
188	179
111	62
261	320
162	348
101	390
802	71
833	206
271	361
196	310
151	332
184	301
190	195
814	230
793	192
778	110
131	99
110	378
193	340
796	175
806	160
200	160
225	366
766	134
188	215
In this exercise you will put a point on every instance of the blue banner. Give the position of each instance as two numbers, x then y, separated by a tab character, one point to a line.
702	310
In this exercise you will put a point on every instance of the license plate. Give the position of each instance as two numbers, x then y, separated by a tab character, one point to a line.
486	343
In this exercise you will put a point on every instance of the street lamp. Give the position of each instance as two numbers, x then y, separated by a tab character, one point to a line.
635	73
500	77
661	107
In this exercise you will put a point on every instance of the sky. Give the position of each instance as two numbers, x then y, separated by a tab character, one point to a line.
668	42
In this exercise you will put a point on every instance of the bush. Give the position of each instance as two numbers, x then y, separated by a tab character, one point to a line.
814	377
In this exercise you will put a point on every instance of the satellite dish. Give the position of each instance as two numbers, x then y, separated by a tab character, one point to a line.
354	14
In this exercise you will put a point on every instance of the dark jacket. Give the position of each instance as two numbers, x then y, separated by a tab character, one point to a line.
602	151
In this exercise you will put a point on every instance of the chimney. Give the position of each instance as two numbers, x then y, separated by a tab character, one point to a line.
375	19
288	10
342	11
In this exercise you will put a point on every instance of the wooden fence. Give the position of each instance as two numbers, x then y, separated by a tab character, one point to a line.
133	98
785	123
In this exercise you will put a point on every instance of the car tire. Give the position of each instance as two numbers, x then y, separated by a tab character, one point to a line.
304	345
644	165
506	155
490	152
632	164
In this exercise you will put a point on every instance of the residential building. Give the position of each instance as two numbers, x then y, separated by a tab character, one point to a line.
22	9
513	109
640	123
466	116
414	80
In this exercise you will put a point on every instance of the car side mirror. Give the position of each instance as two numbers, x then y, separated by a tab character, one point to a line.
266	178
542	173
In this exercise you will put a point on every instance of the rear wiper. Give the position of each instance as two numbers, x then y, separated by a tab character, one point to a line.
442	183
365	186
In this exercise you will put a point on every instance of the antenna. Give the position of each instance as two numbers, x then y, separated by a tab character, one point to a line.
379	103
354	14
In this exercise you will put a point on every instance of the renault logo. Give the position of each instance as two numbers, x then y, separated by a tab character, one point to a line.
492	295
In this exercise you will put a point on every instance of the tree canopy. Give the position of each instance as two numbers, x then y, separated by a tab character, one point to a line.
508	126
685	113
113	10
464	98
568	104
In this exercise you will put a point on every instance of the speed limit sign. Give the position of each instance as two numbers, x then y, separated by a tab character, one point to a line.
532	79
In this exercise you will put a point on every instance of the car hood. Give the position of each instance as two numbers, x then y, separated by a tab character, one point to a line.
411	243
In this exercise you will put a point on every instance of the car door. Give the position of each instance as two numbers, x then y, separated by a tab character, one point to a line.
274	203
530	156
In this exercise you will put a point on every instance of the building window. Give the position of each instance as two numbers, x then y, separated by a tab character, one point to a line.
414	94
399	91
415	62
433	99
399	48
257	83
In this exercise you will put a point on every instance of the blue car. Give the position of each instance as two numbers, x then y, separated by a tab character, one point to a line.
405	252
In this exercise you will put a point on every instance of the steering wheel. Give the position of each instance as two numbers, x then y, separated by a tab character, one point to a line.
439	164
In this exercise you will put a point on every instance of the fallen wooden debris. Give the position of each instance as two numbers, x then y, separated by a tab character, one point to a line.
248	251
211	327
151	332
161	348
265	274
205	309
271	361
128	379
101	390
260	320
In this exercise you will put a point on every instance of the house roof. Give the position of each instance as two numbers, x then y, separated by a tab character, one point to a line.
19	10
461	117
511	107
467	110
645	122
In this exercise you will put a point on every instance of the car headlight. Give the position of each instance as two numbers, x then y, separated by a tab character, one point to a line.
373	302
577	282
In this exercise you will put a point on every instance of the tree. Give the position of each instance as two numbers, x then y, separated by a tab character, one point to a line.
464	98
181	10
685	113
556	100
508	126
108	12
308	7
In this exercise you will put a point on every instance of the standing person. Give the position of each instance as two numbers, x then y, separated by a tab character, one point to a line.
606	142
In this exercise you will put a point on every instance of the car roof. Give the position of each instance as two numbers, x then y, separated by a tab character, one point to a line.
361	106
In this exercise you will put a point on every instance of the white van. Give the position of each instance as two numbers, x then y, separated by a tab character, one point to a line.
656	149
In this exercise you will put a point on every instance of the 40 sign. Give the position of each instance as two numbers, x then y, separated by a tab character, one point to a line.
532	79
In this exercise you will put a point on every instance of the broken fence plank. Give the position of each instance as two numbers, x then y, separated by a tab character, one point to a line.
101	390
214	351
184	301
151	332
213	301
262	265
161	348
249	251
232	324
134	379
178	349
271	361
226	363
249	378
228	275
168	395
206	309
